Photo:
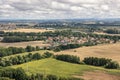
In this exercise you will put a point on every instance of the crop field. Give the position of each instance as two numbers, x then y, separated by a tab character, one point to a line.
28	30
60	68
102	33
24	44
111	51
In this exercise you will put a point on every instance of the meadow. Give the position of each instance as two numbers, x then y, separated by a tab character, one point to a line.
64	69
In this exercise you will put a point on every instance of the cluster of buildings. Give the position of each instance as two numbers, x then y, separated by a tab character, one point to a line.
8	26
60	40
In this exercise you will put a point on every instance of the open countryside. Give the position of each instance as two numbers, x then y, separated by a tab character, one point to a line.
106	50
59	40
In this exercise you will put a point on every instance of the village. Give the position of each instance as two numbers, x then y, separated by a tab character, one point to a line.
61	40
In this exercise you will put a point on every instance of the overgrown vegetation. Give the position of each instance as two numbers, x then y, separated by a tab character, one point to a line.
107	63
23	59
14	50
112	65
72	46
19	74
112	31
68	58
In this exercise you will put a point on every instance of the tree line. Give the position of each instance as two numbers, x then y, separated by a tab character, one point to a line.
107	63
68	58
112	31
14	50
72	46
23	59
19	74
21	36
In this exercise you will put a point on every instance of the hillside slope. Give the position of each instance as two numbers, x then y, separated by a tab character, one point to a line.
60	68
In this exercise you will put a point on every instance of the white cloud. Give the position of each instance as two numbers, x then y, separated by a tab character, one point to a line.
105	7
44	9
57	5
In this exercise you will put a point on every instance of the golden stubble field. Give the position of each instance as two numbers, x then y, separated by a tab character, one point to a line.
28	30
24	44
111	51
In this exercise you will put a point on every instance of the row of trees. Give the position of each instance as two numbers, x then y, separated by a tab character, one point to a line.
72	46
11	39
68	58
23	59
51	77
19	74
107	63
96	61
21	36
64	47
14	50
112	31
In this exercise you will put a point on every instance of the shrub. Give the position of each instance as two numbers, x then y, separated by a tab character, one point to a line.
48	54
51	77
5	78
36	56
68	58
96	61
17	74
71	78
112	65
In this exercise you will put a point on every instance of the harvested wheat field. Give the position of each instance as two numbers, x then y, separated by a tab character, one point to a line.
24	44
98	75
102	33
106	50
28	30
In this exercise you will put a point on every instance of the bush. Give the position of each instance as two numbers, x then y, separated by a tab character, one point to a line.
17	74
112	65
62	78
51	77
48	54
96	61
5	78
36	56
68	58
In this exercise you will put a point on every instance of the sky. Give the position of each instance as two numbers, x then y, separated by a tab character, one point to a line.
59	9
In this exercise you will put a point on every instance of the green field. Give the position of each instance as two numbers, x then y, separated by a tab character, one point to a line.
59	68
64	69
53	66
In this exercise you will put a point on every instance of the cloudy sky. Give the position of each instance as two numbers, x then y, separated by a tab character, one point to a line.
59	9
